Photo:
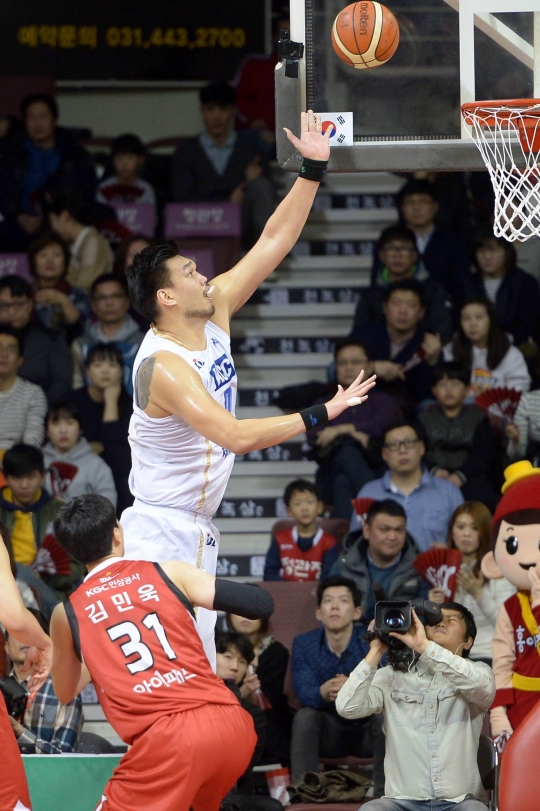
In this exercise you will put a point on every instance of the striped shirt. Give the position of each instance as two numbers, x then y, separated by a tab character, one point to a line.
50	728
527	419
22	414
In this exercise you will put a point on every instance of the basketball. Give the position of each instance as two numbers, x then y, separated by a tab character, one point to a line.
365	34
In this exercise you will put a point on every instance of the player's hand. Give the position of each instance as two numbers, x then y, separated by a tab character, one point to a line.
359	389
41	659
415	637
534	580
312	143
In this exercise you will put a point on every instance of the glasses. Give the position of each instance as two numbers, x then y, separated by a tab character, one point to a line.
111	297
5	307
398	444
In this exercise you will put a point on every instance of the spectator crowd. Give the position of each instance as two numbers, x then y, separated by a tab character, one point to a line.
449	324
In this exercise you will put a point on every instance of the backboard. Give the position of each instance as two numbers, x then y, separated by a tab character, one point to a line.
407	113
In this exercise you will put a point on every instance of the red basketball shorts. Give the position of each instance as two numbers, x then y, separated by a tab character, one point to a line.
187	760
13	786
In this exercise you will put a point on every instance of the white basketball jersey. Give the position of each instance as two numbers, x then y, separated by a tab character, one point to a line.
172	464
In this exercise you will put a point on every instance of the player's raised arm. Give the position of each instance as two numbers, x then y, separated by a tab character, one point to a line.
167	385
23	625
283	228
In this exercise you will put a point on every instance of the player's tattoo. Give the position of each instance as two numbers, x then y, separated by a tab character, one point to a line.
144	379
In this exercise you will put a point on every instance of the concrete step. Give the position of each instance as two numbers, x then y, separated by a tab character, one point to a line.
243	543
376	216
290	325
362	183
246	525
340	232
257	413
331	263
257	486
275	360
277	378
276	311
319	277
252	507
288	469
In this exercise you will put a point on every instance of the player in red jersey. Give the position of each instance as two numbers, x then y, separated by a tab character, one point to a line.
134	626
24	627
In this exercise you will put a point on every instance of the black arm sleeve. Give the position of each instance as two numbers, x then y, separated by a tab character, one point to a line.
244	599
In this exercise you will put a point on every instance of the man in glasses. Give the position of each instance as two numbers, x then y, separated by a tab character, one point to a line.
427	500
47	361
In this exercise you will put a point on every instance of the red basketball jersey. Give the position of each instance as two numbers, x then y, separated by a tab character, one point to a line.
135	632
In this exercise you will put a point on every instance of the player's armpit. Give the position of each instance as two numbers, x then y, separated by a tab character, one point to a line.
69	676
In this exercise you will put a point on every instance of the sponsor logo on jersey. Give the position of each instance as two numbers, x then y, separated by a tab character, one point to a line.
198	363
210	540
224	453
215	341
222	372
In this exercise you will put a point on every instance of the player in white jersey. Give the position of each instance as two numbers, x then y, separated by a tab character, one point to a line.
183	432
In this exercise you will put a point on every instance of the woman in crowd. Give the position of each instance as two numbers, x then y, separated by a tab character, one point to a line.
271	659
524	432
345	449
59	305
104	409
123	258
482	347
470	532
514	294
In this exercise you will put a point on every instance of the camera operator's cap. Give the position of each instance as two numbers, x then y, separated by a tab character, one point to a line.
521	490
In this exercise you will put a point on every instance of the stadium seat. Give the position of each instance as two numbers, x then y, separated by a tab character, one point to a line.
92	744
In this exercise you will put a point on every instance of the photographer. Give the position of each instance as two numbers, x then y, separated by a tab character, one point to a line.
433	712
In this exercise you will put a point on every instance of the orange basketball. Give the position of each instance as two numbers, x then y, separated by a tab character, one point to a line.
365	34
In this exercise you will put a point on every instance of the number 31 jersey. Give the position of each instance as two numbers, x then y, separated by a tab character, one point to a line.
135	632
172	464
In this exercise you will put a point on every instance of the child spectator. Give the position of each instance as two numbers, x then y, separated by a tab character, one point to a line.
460	446
271	659
22	404
91	254
514	294
110	305
470	532
484	350
304	552
125	185
105	411
345	449
47	361
28	512
398	257
58	305
72	467
524	432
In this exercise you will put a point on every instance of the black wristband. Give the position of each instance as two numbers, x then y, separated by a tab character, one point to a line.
313	170
243	599
315	416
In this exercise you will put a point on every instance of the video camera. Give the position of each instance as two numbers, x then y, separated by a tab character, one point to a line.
396	616
15	696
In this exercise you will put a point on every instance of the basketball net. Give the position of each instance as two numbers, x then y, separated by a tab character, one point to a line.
504	131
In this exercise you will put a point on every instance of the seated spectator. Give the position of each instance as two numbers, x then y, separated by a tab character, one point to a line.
91	254
222	164
271	659
441	252
398	346
345	449
28	512
460	445
484	350
110	304
45	154
524	432
382	551
398	258
429	502
126	251
46	357
27	595
320	664
234	654
59	306
306	551
72	468
515	295
470	532
442	691
125	185
105	410
48	726
22	404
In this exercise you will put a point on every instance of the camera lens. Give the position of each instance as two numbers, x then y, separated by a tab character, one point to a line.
394	619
